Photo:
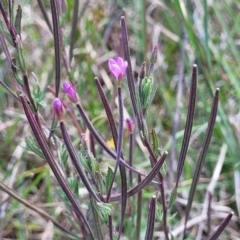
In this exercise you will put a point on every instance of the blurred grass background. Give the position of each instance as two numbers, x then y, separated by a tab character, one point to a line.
203	32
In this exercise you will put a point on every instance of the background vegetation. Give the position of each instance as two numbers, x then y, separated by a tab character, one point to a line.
203	32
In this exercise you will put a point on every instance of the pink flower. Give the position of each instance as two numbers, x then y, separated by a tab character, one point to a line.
70	91
117	67
58	109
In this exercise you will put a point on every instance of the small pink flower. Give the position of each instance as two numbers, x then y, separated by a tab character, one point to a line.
58	109
70	91
130	125
117	67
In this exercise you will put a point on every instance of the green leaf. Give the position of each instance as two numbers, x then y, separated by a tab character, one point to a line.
99	179
18	20
85	162
172	197
155	142
32	147
108	179
73	183
6	34
103	210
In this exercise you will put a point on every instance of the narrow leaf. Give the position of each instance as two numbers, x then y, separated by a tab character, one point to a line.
108	179
155	142
18	20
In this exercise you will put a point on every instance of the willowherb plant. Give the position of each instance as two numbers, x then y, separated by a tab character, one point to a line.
108	200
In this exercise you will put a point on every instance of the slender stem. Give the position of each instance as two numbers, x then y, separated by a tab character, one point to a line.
44	13
73	28
76	162
5	49
119	140
15	195
144	182
160	179
101	141
139	212
52	162
131	158
69	112
115	139
96	220
130	79
118	156
9	90
10	27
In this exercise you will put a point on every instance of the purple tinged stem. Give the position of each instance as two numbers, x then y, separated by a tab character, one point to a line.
73	28
115	139
145	181
100	140
76	162
9	90
44	13
119	140
160	179
139	211
108	111
5	49
10	27
131	158
30	205
52	163
118	156
151	219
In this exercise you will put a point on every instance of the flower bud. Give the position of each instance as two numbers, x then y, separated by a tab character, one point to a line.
153	58
70	91
58	109
130	125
